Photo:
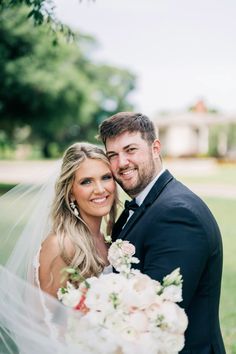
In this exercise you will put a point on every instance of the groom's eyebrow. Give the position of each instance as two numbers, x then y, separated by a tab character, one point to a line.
123	148
111	152
132	145
128	146
115	152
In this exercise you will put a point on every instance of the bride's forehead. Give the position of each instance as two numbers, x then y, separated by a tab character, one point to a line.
92	167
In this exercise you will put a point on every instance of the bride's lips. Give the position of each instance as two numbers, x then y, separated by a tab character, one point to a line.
100	200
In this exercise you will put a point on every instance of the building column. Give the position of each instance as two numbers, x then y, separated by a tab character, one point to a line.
203	139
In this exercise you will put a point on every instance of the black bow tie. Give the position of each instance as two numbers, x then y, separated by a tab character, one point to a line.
131	205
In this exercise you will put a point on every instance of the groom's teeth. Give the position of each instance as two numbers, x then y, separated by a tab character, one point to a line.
127	172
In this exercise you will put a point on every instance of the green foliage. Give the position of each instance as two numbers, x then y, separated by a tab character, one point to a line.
55	90
232	136
213	141
40	11
215	136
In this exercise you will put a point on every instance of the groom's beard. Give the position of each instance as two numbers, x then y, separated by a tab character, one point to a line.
143	175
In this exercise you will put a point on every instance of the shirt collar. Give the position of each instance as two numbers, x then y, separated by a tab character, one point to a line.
140	198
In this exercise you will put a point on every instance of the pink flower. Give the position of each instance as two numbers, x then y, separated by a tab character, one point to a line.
127	248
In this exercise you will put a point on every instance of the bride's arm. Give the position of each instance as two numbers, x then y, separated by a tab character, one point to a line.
51	265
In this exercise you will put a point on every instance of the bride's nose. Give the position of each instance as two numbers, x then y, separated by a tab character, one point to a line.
99	188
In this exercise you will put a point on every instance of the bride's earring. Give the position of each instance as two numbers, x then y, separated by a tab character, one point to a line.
74	209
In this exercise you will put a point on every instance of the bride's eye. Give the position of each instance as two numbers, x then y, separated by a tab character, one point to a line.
85	181
107	176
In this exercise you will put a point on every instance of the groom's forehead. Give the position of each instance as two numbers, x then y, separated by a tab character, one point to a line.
123	140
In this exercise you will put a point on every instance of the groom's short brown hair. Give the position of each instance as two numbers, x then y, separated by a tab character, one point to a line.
127	122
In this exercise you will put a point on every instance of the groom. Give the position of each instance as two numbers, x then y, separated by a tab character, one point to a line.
168	224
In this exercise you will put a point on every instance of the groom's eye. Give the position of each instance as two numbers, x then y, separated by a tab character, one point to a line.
111	156
131	149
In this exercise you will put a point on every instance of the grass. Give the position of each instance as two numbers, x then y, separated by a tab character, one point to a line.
223	174
225	211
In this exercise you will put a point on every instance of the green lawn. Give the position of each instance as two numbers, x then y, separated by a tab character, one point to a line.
222	174
225	213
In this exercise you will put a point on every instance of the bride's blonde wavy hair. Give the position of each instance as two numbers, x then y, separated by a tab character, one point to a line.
66	224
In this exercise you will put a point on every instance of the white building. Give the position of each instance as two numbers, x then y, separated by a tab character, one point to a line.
190	133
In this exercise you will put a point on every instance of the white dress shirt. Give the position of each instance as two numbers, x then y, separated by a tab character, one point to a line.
140	198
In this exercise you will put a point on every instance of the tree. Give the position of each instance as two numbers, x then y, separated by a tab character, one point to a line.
40	10
56	90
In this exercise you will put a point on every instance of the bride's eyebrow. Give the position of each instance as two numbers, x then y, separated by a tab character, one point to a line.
86	177
98	175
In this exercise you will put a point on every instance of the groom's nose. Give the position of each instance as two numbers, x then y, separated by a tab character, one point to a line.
122	160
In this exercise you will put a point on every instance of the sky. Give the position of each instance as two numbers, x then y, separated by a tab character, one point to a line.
180	50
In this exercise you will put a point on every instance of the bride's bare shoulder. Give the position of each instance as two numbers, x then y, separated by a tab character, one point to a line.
51	249
49	260
52	263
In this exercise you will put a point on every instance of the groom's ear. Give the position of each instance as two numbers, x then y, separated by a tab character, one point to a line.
156	148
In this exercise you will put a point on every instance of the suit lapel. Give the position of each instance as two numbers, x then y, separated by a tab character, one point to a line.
154	193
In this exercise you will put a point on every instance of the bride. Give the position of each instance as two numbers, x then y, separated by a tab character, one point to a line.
64	229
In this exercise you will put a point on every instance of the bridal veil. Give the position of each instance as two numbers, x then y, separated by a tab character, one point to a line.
30	320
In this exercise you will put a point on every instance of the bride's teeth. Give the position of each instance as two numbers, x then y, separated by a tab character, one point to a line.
99	200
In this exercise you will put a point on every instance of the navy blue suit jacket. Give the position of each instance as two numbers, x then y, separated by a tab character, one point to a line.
174	228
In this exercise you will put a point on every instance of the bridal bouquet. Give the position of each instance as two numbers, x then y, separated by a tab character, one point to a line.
125	312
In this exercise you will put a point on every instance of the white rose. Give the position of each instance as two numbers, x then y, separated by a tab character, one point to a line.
174	317
114	256
143	344
138	321
140	292
116	321
172	293
91	338
171	343
152	312
95	318
72	298
102	293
